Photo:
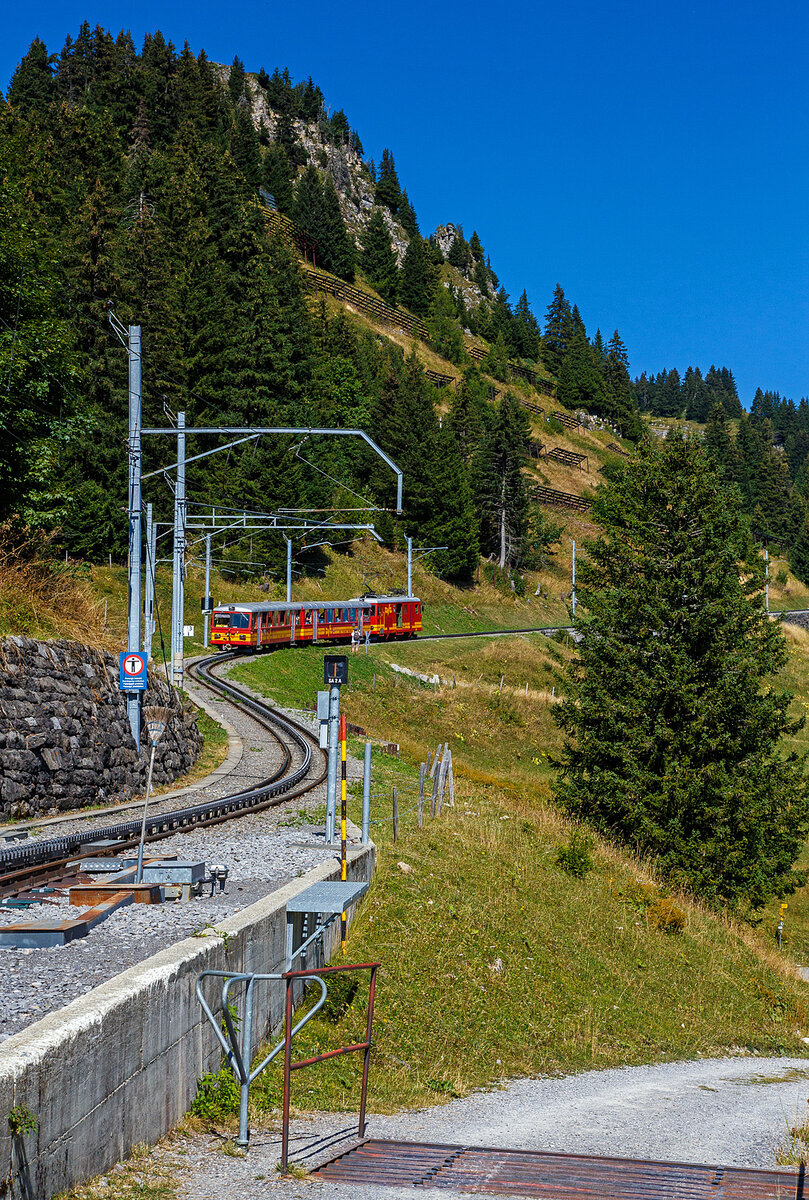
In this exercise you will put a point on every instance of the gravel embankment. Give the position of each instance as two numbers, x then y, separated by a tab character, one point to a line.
732	1111
262	852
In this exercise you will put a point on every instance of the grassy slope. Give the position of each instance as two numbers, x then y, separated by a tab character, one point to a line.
584	977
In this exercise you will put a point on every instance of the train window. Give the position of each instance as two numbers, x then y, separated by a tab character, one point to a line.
221	620
399	616
352	615
239	620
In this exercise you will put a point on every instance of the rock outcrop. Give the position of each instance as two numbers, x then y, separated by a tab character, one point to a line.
65	740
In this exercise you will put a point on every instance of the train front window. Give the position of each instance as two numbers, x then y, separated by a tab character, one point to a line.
238	620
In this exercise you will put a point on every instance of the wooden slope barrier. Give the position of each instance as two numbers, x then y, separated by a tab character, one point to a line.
565	419
616	449
290	233
318	281
534	449
388	315
533	408
478	354
569	458
440	380
546	495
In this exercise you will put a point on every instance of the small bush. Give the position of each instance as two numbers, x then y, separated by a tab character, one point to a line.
639	894
666	916
21	1120
576	858
217	1096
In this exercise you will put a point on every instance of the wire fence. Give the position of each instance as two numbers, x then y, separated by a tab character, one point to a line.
436	787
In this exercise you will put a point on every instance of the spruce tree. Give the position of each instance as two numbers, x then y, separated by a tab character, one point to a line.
444	331
717	440
558	331
799	554
417	279
581	379
476	248
407	217
674	727
526	331
378	260
37	366
388	191
278	177
469	413
237	83
481	278
244	147
338	253
500	489
32	83
459	255
307	210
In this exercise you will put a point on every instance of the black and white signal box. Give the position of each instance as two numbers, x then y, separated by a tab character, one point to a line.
335	670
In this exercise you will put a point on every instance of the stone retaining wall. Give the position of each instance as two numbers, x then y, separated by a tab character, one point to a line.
65	739
120	1065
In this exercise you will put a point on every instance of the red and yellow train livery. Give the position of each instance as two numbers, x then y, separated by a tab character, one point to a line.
249	627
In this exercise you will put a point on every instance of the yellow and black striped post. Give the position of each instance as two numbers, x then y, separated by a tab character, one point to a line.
343	821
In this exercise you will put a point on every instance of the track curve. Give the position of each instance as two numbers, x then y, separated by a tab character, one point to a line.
22	866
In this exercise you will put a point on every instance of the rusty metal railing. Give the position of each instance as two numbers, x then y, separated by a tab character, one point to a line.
289	1031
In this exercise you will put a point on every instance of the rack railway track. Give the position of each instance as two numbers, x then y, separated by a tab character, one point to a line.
36	864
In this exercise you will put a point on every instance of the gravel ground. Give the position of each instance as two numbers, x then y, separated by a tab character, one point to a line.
262	852
732	1111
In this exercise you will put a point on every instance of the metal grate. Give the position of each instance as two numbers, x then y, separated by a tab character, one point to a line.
553	1176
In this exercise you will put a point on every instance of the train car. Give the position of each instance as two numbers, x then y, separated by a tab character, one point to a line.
250	627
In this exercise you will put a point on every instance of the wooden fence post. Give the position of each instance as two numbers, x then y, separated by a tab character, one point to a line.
422	773
442	777
435	760
395	818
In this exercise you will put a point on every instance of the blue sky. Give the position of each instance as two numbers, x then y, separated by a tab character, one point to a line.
650	157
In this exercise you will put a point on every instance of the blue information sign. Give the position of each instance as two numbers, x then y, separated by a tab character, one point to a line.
133	671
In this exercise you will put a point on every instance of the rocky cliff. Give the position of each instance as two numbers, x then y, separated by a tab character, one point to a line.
65	739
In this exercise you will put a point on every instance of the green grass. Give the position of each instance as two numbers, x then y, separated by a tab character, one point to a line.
498	962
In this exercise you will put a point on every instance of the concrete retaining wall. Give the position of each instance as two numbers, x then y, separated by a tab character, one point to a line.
120	1065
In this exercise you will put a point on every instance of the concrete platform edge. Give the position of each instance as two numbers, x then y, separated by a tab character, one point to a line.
120	1065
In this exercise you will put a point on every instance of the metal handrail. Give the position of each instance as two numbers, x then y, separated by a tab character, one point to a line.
290	978
238	1055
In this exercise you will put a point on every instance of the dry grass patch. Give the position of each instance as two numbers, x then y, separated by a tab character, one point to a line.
142	1176
43	597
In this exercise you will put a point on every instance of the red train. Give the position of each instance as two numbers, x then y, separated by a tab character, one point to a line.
249	627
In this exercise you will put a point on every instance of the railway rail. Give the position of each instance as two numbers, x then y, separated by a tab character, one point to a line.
27	866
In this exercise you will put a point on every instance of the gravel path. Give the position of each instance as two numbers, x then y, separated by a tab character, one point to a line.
732	1111
262	851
